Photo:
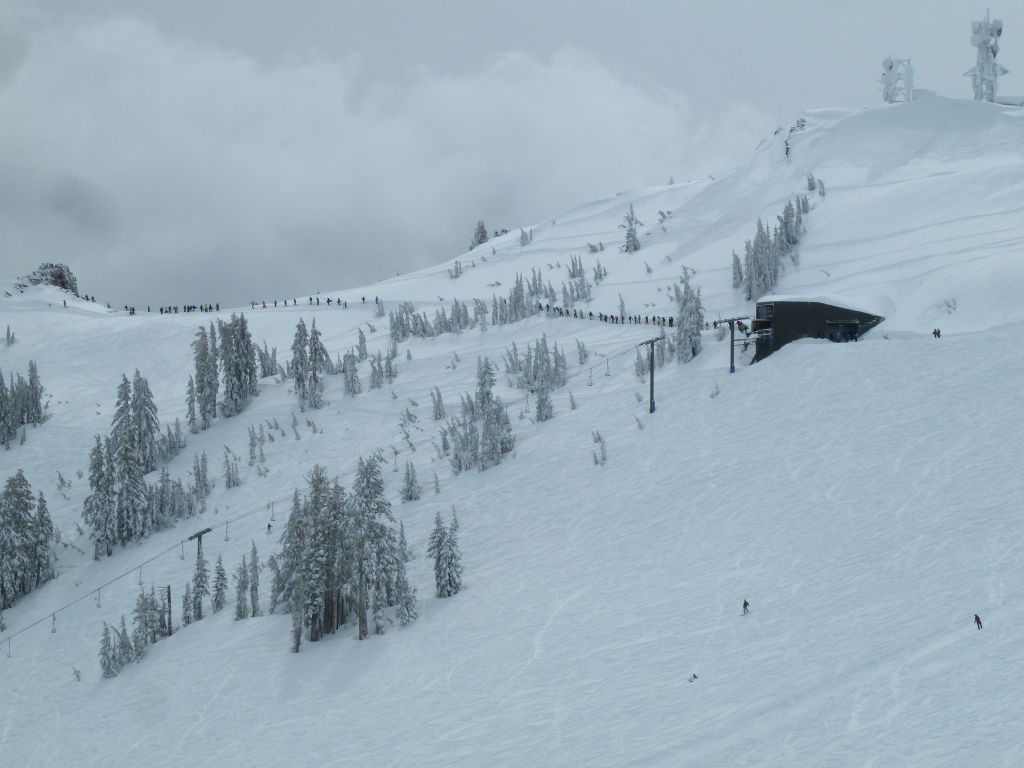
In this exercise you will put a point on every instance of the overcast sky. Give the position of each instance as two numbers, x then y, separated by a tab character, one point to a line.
192	151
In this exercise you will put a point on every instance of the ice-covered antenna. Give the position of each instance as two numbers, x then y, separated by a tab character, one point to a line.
985	74
897	80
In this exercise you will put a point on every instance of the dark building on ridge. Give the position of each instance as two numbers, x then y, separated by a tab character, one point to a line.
782	319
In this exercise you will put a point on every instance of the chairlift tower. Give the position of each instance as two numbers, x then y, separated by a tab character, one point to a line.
985	73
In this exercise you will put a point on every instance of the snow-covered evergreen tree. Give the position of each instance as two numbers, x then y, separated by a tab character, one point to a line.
220	585
254	582
368	509
206	397
410	486
405	597
186	605
444	548
350	369
630	223
43	535
125	650
108	653
242	591
361	353
190	406
690	322
299	366
17	546
200	583
479	235
403	546
145	423
737	271
141	625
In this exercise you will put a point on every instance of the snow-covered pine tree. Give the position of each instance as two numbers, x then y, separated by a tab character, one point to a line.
108	653
190	406
403	546
630	223
34	404
140	625
186	605
299	366
379	621
437	401
200	583
479	235
737	271
410	486
220	585
448	561
242	591
43	535
361	353
125	650
350	368
368	509
254	582
545	409
145	423
434	548
690	322
405	596
17	546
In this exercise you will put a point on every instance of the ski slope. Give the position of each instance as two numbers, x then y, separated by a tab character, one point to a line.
865	498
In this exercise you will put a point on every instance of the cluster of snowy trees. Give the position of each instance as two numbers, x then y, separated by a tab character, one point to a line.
483	433
406	321
118	648
444	549
234	360
540	370
685	344
764	255
21	403
151	617
309	364
340	558
27	537
121	506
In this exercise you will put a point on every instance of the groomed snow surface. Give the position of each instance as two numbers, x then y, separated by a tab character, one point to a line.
865	498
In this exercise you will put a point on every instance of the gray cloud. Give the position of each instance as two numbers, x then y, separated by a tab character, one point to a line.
166	170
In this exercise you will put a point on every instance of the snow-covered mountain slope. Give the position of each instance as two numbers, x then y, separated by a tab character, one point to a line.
863	497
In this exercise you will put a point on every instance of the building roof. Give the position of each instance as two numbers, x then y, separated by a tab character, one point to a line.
870	305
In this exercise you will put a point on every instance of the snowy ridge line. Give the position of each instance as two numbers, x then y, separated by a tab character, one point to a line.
422	442
137	566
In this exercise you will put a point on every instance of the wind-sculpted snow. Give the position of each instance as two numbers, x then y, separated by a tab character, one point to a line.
864	498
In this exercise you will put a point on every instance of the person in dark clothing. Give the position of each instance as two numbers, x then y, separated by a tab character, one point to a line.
977	620
746	607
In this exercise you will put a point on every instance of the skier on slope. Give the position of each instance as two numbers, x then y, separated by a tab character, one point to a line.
977	620
746	607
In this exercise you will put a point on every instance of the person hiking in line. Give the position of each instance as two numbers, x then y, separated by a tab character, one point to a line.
746	607
977	620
